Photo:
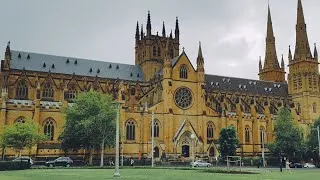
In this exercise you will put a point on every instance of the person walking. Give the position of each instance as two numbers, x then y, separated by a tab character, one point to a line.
288	166
131	162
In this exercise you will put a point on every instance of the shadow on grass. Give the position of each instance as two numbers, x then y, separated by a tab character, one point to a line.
220	171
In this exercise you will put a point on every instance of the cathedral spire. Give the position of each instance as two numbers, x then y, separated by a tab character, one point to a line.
171	34
141	31
260	64
149	25
163	30
315	52
302	49
271	59
137	31
177	31
290	54
282	62
200	57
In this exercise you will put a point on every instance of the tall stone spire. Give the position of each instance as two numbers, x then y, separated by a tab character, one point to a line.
282	62
271	59
260	64
149	25
315	52
142	35
137	31
177	31
302	49
200	60
163	30
290	54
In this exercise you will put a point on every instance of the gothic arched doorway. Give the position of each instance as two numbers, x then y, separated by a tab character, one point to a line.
185	149
211	152
156	152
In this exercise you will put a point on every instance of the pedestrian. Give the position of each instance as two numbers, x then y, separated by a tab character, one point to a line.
288	166
131	162
111	162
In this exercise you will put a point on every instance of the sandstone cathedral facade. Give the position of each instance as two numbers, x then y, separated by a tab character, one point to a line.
185	100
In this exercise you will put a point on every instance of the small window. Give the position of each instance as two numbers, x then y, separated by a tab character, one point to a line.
47	93
247	134
22	90
130	129
183	72
48	126
154	51
71	93
210	132
156	128
262	136
20	120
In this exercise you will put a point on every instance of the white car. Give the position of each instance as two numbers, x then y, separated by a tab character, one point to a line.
24	159
200	163
309	165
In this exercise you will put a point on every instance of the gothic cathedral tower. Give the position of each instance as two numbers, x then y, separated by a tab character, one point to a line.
303	77
151	49
271	71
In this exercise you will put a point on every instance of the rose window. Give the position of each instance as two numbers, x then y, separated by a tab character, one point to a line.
183	98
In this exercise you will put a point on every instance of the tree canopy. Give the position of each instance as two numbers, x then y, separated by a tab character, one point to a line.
90	123
22	135
228	141
289	139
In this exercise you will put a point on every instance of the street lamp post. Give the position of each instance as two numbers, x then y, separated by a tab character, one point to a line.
193	136
263	158
117	172
152	138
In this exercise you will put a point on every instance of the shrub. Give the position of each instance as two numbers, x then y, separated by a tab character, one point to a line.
9	165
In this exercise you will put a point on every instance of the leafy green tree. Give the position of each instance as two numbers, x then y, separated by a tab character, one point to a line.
313	140
22	135
228	141
90	123
289	138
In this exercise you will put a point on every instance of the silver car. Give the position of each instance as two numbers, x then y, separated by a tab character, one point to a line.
309	165
24	159
200	163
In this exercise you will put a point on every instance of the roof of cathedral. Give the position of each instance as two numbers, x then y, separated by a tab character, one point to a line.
232	84
67	65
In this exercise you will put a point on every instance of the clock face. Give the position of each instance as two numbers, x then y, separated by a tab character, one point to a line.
183	98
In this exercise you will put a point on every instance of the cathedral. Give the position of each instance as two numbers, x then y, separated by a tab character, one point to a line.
190	107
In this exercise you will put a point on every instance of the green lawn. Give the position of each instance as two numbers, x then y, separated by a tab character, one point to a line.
153	174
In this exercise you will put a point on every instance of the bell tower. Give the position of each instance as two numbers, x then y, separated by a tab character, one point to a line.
150	50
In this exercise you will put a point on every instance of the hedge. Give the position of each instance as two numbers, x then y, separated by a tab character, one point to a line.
10	165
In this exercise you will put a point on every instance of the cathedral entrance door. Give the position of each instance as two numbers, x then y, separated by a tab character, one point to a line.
185	150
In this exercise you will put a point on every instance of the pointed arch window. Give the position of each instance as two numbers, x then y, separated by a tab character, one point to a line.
47	92
156	128
183	72
48	128
159	51
314	107
210	130
71	93
20	119
22	90
262	136
154	51
247	134
130	129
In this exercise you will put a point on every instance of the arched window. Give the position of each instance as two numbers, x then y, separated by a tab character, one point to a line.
262	136
159	51
130	129
247	134
298	108
47	93
20	119
154	51
156	153
314	107
22	90
48	127
183	72
210	132
156	128
71	93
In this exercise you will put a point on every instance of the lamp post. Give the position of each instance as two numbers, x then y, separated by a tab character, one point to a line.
152	138
193	136
263	158
118	107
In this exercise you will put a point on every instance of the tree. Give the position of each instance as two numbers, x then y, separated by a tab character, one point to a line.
313	140
90	123
289	138
22	135
228	141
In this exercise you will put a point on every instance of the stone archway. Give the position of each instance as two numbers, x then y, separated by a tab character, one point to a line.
211	152
156	152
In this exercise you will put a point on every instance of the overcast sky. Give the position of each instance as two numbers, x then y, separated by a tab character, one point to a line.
232	32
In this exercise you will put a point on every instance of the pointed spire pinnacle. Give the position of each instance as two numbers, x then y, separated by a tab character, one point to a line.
271	59
163	30
141	31
149	25
171	34
260	64
290	54
200	60
8	52
177	31
282	62
315	52
302	49
137	31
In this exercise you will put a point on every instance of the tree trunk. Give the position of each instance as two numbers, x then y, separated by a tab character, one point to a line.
90	156
102	152
3	153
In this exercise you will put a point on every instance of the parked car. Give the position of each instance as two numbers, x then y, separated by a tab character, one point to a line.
309	165
295	165
24	159
200	163
61	161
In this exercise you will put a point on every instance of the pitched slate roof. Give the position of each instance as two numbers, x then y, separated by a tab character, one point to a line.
231	84
67	65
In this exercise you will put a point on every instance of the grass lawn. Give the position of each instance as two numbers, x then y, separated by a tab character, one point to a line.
153	174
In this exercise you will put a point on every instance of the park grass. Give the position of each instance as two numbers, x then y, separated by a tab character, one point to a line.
152	174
